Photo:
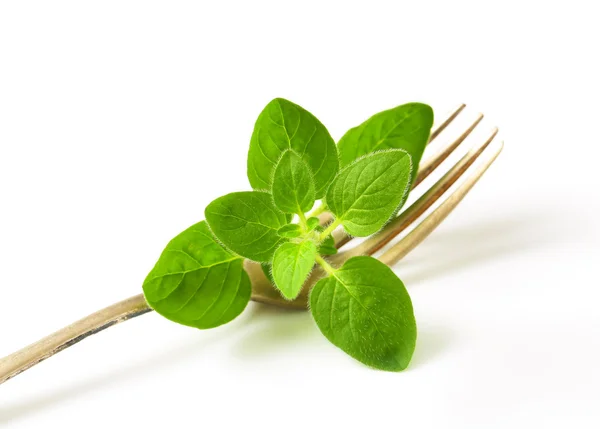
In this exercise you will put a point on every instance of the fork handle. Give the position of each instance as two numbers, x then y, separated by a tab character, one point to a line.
33	354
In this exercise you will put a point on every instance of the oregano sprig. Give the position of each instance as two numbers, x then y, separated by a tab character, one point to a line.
362	307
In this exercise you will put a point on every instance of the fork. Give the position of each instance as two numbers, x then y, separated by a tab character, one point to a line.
263	291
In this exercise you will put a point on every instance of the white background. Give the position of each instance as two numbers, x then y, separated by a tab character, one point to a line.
120	121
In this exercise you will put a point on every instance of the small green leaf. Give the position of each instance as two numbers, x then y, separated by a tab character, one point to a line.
312	223
404	127
247	223
293	188
366	193
327	246
196	282
291	230
292	263
283	125
365	310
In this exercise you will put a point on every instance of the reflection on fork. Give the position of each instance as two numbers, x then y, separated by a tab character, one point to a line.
262	290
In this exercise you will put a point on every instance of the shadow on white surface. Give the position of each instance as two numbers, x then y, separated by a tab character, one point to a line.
432	342
268	329
70	390
264	330
275	329
453	250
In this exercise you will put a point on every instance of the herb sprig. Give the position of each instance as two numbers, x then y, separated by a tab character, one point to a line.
362	307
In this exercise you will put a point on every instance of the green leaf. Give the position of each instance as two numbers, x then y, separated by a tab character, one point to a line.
404	127
267	269
291	230
283	125
327	246
366	193
293	188
312	223
292	263
365	310
196	282
247	223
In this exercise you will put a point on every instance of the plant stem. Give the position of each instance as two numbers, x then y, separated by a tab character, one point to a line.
318	210
333	225
303	223
323	263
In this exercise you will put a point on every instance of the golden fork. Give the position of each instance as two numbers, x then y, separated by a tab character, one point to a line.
262	290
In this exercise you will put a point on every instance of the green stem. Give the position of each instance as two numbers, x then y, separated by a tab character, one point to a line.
329	229
318	210
303	223
322	262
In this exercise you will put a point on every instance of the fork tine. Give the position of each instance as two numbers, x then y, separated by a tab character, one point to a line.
433	162
436	132
408	216
416	236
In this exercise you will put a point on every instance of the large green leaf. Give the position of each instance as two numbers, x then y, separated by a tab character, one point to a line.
292	263
365	310
196	282
404	127
293	188
283	125
366	193
247	223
